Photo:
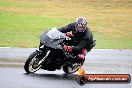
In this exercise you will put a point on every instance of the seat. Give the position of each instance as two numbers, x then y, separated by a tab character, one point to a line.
92	45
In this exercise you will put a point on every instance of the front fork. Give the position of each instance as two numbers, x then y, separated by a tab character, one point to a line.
42	60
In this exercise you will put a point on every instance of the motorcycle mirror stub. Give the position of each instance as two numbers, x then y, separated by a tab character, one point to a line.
68	38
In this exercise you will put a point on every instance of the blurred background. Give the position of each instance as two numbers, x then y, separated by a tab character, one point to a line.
23	21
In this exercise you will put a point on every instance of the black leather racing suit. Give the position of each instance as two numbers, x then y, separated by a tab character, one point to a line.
79	40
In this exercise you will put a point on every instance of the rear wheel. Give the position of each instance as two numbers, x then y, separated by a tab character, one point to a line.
31	65
69	69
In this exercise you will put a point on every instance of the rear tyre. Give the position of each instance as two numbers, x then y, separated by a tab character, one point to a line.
71	69
31	65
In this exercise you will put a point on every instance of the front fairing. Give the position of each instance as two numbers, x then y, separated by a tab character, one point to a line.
52	38
47	41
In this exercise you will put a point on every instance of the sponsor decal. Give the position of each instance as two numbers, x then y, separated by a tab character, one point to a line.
83	78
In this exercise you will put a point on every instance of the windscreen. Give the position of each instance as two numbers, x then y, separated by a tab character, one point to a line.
52	38
55	34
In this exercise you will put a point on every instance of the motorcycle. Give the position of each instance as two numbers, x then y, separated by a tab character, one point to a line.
51	54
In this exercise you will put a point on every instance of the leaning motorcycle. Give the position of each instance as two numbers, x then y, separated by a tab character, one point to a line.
51	54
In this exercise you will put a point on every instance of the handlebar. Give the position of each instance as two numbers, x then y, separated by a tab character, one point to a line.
67	54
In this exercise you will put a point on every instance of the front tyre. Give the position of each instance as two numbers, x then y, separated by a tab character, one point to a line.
31	65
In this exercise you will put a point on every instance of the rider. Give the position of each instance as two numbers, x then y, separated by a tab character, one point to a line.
81	38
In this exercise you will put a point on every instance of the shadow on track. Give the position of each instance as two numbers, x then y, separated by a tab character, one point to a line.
71	77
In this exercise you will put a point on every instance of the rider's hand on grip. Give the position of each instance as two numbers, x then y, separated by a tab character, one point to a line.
67	48
69	34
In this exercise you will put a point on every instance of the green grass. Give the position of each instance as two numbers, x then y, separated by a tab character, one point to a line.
21	22
24	30
108	42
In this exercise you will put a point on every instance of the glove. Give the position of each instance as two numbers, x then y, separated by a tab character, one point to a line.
84	51
67	48
69	34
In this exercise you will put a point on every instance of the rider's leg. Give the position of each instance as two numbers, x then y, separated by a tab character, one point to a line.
81	56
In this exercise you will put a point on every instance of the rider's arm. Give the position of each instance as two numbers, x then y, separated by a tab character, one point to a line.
67	28
86	41
80	46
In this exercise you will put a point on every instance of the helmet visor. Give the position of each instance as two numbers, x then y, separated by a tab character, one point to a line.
80	27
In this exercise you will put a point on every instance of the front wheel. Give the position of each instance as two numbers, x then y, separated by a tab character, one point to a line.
31	65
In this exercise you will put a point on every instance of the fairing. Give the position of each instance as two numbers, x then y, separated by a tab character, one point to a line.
53	38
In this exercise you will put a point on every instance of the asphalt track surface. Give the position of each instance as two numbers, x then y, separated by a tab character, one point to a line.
98	61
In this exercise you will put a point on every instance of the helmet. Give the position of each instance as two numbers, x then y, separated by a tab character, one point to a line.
81	24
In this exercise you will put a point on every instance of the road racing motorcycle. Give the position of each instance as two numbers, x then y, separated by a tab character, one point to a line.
51	55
